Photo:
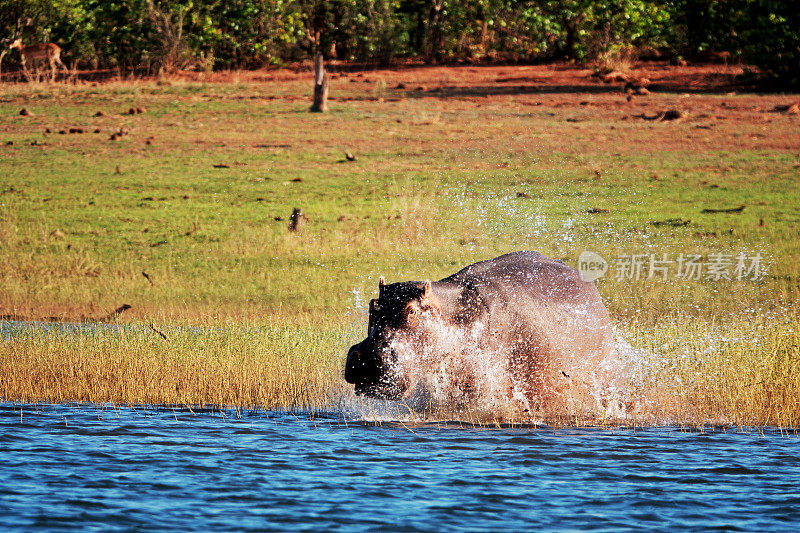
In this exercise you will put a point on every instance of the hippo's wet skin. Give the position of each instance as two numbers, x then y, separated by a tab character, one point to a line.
546	328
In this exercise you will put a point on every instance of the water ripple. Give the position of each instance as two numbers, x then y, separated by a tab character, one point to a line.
160	469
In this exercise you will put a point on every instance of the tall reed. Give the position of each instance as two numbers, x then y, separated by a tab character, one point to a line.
683	371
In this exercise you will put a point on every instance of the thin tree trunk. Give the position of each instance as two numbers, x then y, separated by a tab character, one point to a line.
435	45
320	104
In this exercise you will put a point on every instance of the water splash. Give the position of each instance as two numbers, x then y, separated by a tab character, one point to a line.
456	375
653	376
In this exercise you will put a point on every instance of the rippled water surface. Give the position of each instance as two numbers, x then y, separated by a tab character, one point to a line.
67	467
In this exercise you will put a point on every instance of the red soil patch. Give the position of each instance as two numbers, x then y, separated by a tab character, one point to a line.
481	80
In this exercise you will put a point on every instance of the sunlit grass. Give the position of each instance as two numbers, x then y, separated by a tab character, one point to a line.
279	366
742	372
257	316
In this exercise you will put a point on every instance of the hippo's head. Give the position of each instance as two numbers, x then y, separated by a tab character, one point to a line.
401	321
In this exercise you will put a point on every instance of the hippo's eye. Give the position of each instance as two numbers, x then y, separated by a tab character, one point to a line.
411	316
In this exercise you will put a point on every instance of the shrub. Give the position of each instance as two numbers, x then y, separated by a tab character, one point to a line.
769	33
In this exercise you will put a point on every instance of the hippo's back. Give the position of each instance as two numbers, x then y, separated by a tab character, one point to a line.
502	264
526	273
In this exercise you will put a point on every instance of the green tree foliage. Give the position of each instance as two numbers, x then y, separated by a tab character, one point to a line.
768	33
163	34
245	33
765	33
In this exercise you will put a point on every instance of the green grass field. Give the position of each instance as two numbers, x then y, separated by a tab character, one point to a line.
439	182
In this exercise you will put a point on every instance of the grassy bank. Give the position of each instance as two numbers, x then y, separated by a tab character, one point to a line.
282	366
470	165
741	373
734	372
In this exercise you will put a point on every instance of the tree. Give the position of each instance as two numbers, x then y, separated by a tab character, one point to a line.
769	35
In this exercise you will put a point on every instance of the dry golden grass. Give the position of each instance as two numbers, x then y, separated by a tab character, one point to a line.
736	372
270	366
694	373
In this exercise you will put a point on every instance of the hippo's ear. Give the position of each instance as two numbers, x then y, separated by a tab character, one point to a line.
428	300
426	290
381	284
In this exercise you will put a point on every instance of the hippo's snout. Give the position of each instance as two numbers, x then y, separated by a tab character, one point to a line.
363	367
352	365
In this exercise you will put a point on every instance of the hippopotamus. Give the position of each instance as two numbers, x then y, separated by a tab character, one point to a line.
519	328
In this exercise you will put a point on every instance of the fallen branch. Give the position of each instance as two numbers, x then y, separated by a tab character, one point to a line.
160	334
791	109
674	222
115	313
67	320
728	210
670	114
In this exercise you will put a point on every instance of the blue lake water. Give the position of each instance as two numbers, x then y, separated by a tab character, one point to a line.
68	467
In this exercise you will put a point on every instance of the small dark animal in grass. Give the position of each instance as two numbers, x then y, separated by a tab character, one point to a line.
522	318
349	156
